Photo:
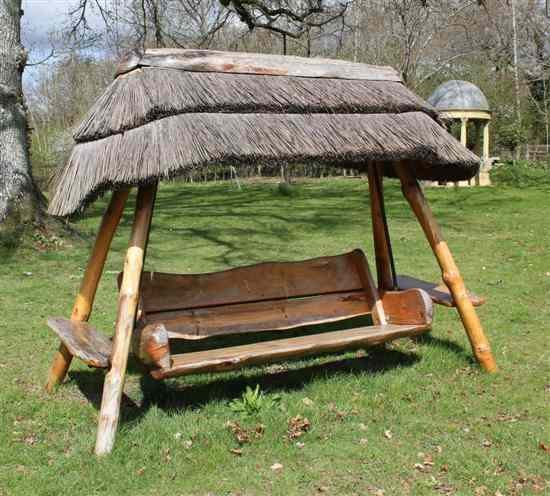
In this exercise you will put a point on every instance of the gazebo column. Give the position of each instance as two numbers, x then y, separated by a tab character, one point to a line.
477	147
486	143
464	130
382	247
463	138
450	273
127	307
83	304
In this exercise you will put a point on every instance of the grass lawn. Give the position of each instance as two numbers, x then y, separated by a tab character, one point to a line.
418	417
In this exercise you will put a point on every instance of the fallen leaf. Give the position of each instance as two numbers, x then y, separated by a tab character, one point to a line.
300	445
236	451
30	440
307	402
363	427
188	444
486	443
297	426
544	447
241	435
276	466
141	471
388	434
259	430
177	435
363	440
339	413
443	488
322	489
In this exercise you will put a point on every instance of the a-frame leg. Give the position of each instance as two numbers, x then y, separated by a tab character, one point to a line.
127	307
450	273
385	270
83	304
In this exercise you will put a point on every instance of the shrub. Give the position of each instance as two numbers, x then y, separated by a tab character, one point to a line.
286	189
521	173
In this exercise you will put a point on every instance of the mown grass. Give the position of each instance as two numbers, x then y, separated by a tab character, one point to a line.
452	429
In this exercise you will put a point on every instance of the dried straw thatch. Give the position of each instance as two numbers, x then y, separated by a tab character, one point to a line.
159	121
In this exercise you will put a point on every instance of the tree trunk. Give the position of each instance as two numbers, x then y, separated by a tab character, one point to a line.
20	199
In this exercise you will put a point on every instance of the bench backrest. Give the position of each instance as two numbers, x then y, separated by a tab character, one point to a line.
255	283
265	296
272	296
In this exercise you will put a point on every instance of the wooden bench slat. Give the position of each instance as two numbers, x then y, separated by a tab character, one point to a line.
260	316
220	360
260	282
83	341
439	293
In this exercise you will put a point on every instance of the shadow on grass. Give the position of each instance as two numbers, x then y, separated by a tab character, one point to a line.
175	396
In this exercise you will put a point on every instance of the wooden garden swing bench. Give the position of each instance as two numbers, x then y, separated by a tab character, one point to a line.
170	110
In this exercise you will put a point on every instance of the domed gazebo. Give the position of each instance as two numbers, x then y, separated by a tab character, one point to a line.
464	101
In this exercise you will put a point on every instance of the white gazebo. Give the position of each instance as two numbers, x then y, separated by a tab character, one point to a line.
465	102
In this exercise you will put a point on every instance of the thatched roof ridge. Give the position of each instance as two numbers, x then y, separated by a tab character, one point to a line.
198	60
156	122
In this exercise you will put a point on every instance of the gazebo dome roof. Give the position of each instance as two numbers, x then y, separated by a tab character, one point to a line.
458	95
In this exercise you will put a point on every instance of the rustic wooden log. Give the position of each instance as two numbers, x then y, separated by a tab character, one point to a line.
369	287
127	307
195	60
272	315
410	307
151	345
221	360
83	341
450	273
439	293
382	247
83	304
259	282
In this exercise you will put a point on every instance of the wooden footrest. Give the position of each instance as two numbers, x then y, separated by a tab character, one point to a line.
439	293
235	357
83	341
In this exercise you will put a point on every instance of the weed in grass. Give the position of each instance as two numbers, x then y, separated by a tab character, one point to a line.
253	402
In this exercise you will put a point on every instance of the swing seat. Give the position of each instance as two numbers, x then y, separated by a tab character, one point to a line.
272	296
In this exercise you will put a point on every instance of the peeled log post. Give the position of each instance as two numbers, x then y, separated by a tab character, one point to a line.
127	307
382	247
450	273
83	304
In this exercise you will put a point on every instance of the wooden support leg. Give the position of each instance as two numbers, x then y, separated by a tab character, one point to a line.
83	304
382	247
127	306
451	275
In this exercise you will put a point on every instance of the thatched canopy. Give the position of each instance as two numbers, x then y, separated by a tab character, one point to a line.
168	111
